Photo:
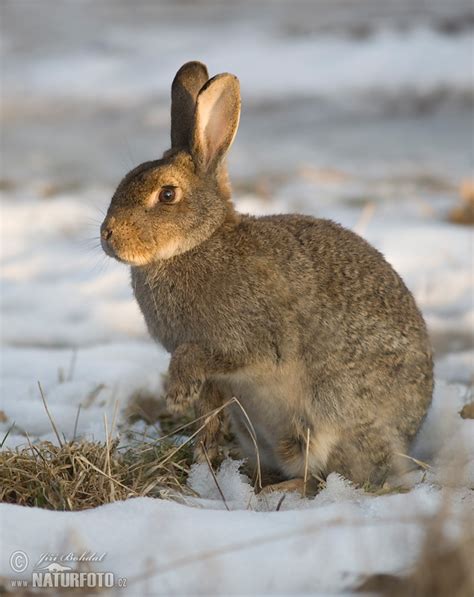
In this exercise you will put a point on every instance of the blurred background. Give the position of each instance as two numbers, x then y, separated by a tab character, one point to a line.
376	88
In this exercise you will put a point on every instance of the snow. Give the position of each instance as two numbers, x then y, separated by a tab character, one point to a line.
69	320
325	546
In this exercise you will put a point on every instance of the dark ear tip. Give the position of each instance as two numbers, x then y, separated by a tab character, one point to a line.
193	69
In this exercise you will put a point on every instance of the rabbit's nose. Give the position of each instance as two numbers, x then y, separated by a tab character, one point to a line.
106	233
106	239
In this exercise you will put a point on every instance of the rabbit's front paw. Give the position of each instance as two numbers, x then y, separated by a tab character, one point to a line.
181	395
205	453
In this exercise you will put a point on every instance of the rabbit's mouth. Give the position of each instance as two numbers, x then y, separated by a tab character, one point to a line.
129	259
112	245
107	248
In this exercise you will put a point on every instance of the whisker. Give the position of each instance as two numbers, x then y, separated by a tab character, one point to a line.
95	250
93	220
100	265
88	243
101	210
90	239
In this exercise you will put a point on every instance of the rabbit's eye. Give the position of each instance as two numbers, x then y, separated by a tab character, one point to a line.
168	195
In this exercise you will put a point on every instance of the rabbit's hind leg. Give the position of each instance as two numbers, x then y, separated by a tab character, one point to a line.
365	455
290	485
296	459
207	441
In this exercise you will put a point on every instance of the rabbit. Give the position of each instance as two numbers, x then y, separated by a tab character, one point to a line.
299	319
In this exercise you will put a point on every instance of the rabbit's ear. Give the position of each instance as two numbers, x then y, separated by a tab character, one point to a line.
187	83
216	120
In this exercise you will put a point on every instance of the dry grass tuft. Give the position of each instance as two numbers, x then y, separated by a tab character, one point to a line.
467	411
77	475
81	474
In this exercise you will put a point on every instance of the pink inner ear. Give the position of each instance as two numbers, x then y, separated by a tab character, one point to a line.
213	125
216	119
216	127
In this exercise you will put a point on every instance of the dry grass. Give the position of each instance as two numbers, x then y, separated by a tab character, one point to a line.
467	411
441	570
77	475
443	567
80	474
463	213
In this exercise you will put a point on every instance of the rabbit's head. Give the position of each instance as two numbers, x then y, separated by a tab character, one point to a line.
165	207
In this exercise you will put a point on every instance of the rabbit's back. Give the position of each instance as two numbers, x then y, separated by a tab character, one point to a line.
341	284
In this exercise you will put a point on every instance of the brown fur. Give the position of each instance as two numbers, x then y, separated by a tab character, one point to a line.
300	319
